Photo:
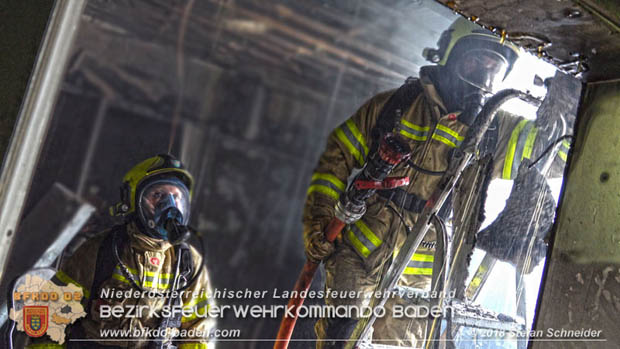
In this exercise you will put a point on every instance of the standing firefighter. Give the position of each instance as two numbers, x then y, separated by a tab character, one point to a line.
147	255
440	107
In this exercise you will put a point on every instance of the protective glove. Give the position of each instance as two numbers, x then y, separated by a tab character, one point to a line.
507	238
317	248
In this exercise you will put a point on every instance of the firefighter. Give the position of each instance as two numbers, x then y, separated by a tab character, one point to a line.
148	254
470	61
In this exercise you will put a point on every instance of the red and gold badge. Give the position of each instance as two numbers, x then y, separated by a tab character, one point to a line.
35	320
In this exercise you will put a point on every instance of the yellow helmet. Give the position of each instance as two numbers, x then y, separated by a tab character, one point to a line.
147	170
460	31
465	38
463	30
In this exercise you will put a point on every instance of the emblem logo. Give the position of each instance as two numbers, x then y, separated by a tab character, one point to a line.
35	320
154	261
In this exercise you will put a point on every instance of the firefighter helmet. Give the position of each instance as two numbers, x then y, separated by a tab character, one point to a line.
147	171
474	54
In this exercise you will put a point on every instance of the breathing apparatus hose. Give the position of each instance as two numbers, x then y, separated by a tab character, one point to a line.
470	145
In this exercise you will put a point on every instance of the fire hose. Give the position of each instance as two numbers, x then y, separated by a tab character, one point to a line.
461	158
350	208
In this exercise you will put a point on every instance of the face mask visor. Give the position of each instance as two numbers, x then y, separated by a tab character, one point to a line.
481	68
162	202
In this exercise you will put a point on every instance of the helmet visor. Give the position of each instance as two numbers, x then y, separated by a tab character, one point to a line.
482	68
162	200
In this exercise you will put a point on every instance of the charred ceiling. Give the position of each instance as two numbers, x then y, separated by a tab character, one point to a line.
579	36
304	48
304	44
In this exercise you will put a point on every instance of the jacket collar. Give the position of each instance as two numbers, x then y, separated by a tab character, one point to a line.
143	242
428	77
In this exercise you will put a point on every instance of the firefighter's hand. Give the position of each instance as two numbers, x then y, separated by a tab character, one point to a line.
317	247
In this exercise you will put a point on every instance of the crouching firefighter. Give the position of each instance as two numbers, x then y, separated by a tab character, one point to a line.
149	256
432	115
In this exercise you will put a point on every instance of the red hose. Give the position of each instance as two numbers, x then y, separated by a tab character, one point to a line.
303	284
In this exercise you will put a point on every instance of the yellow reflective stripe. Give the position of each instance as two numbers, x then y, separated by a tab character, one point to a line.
418	271
120	278
450	131
417	263
363	239
352	140
529	143
415	132
193	346
162	280
368	233
60	275
358	135
522	147
419	257
132	270
196	313
476	280
343	138
189	318
330	178
148	273
158	275
161	284
327	184
412	136
444	140
415	127
194	301
323	190
447	136
194	316
512	146
563	155
357	243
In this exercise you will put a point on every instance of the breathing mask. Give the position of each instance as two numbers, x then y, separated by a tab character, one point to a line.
473	62
164	208
471	75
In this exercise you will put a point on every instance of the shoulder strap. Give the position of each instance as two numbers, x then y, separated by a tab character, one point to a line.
105	264
104	267
394	108
187	264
